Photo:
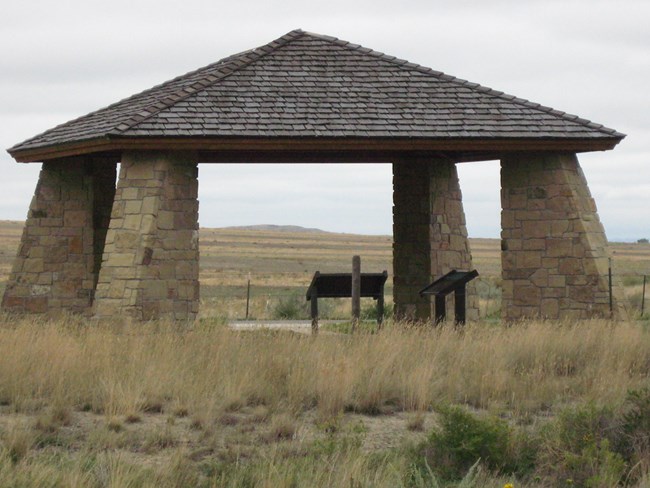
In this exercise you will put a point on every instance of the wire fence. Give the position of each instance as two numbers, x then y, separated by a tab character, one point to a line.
249	301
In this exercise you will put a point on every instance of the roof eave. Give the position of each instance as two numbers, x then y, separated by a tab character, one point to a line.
252	146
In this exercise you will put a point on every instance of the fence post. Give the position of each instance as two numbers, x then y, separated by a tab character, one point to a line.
643	297
356	291
248	296
314	312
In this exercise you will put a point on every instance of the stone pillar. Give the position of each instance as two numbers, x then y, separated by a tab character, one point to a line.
554	250
63	239
429	234
151	258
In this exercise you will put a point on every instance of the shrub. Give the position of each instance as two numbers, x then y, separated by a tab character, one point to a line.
461	440
634	443
578	445
369	310
293	307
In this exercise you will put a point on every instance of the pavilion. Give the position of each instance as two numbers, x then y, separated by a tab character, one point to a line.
131	250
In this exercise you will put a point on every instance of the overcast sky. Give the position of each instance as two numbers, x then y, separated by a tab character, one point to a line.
62	59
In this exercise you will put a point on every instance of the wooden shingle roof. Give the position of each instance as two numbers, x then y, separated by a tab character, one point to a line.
306	88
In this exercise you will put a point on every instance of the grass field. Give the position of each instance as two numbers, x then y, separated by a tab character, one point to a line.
541	404
537	404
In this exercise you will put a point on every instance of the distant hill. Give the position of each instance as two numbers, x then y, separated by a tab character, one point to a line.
277	228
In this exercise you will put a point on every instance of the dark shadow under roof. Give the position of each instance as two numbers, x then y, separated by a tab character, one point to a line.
308	87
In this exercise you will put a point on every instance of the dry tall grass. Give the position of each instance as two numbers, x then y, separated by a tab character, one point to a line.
206	371
264	408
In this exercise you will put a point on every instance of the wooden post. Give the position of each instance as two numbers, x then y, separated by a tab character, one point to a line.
314	311
356	291
380	305
380	311
643	297
459	305
441	311
248	296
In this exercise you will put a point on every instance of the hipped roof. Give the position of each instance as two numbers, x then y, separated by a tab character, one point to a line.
310	89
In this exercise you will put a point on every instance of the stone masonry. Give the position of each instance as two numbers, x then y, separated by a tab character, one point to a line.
554	250
63	239
430	235
151	258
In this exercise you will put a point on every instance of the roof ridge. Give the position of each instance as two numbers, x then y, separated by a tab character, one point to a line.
237	61
405	64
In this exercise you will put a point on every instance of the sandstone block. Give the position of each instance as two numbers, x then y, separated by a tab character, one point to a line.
36	304
44	279
115	289
127	193
57	255
559	228
132	222
51	222
517	202
559	247
66	288
140	171
75	218
554	292
583	294
536	229
570	266
33	265
148	223
550	308
165	220
133	207
67	232
126	240
527	295
150	205
508	260
528	259
540	278
534	244
118	260
75	245
155	289
39	231
34	252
